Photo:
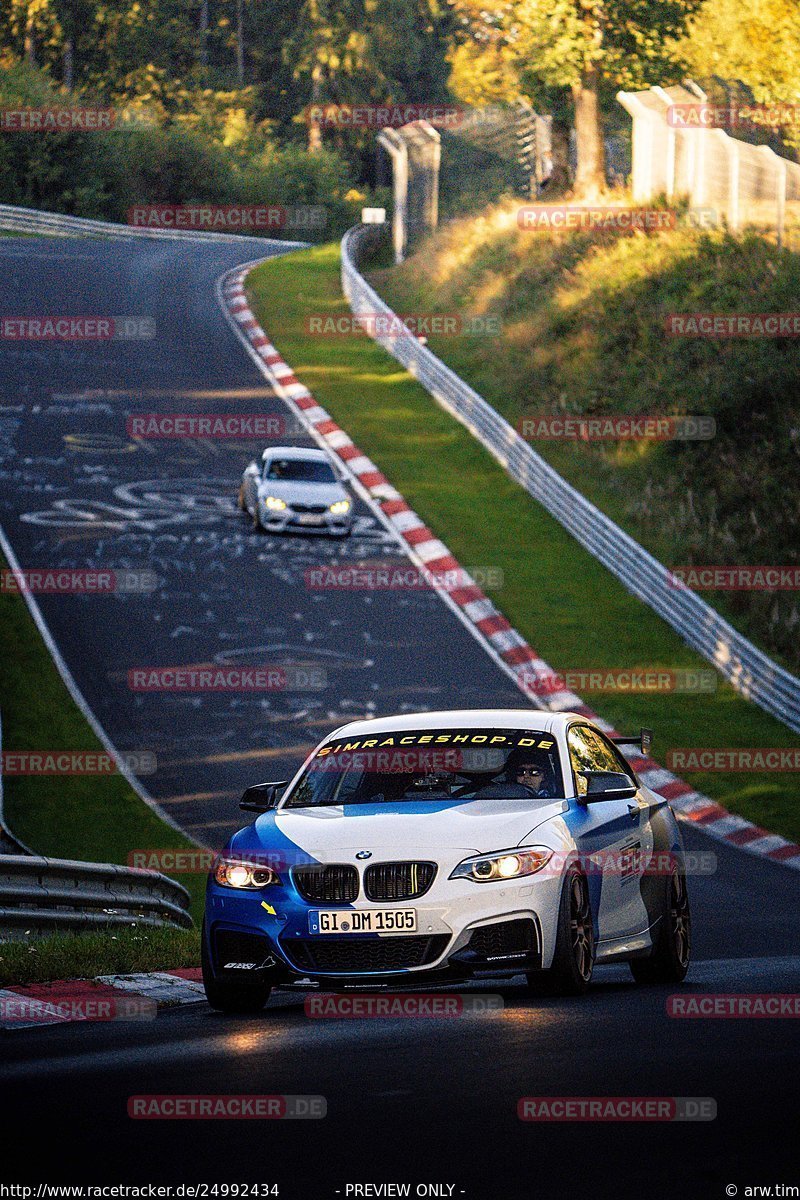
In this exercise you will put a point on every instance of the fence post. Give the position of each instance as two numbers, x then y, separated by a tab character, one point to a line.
781	198
397	150
699	173
642	141
733	179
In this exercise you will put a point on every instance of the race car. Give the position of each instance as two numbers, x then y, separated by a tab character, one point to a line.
421	848
295	488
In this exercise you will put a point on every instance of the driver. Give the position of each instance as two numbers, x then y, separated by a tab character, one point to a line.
531	776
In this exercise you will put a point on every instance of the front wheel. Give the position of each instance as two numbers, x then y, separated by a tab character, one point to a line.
573	960
668	961
231	995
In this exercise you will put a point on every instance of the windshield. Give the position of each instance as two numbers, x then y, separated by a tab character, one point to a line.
309	470
431	765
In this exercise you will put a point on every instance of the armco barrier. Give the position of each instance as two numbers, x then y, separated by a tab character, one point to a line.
51	895
748	669
30	220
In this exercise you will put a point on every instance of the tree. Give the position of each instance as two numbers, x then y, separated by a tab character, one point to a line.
369	51
755	42
583	46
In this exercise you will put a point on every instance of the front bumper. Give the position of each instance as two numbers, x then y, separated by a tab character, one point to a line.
464	930
289	521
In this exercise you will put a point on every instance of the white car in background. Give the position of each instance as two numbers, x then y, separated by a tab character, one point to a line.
296	488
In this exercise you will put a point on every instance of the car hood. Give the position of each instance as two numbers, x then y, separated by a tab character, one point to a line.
396	830
302	493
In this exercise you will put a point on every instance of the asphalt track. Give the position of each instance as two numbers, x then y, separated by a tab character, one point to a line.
425	1101
76	491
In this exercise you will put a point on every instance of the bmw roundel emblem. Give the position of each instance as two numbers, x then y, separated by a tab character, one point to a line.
364	854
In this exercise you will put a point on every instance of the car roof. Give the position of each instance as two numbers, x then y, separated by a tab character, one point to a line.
471	718
301	452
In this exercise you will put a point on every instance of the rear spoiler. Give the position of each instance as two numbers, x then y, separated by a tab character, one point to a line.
643	739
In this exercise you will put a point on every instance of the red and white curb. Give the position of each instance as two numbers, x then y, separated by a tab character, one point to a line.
503	642
137	997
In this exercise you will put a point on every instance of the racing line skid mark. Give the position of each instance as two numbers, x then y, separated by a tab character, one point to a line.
505	645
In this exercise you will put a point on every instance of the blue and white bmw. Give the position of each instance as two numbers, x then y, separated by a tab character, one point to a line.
446	846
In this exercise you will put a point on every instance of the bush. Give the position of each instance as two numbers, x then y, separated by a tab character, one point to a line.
104	174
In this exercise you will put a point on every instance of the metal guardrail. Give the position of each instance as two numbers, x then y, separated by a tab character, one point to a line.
51	895
751	672
30	220
47	895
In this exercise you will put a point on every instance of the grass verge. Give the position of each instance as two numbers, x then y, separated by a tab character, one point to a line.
571	610
85	955
93	818
582	330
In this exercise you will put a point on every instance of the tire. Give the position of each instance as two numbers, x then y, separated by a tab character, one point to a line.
231	995
573	960
668	961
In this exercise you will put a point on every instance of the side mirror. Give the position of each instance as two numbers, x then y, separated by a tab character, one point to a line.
607	785
261	797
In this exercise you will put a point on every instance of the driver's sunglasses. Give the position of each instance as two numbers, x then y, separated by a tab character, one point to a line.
530	771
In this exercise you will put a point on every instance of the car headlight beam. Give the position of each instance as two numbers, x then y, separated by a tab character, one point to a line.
339	507
275	503
249	876
503	864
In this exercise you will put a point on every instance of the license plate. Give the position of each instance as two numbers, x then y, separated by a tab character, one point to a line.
310	519
381	920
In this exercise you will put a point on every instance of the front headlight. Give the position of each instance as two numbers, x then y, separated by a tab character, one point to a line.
503	864
275	503
235	873
340	506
